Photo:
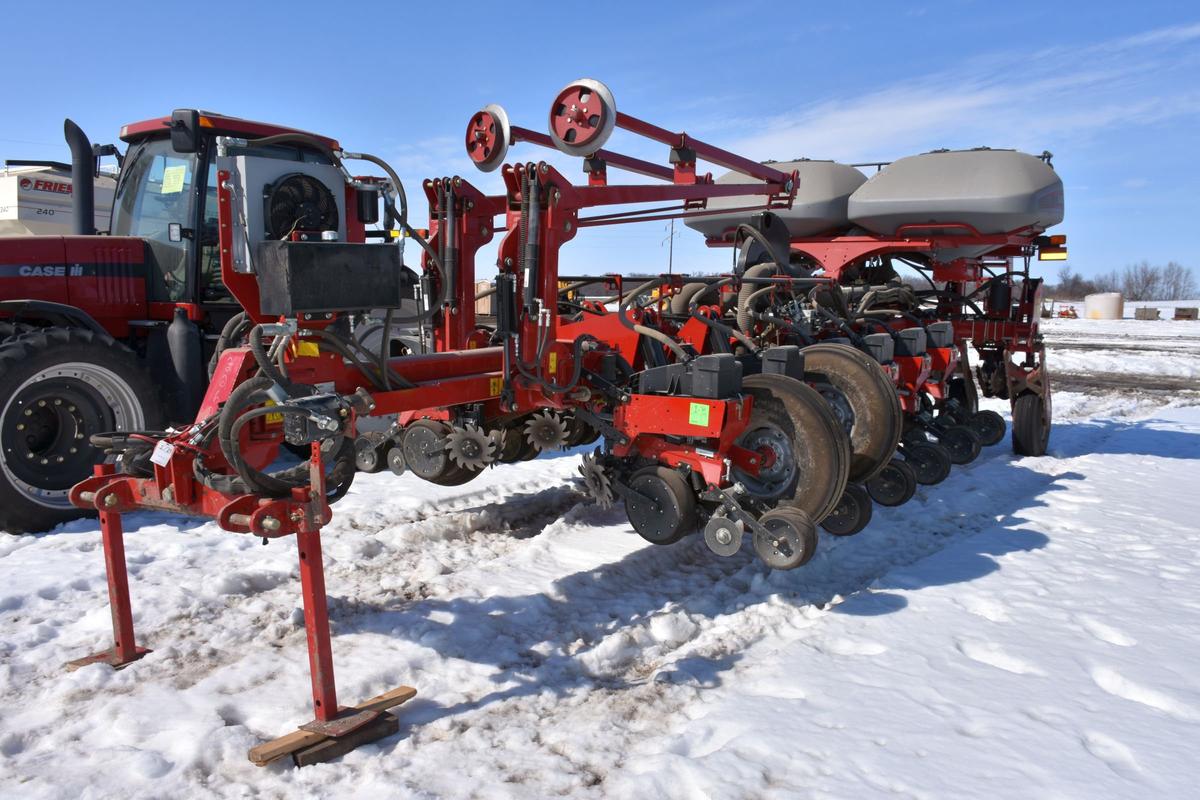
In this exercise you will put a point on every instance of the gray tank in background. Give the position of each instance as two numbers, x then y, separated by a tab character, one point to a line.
994	191
819	206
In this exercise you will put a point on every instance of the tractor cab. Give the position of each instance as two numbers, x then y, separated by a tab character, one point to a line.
167	196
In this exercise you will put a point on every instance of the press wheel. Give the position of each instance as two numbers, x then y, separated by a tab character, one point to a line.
961	443
930	462
790	540
895	484
988	426
852	513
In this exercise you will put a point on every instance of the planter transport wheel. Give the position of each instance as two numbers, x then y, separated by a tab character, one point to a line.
1031	425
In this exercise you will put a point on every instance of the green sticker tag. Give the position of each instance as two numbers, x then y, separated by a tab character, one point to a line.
698	414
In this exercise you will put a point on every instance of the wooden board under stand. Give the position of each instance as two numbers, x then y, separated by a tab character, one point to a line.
309	747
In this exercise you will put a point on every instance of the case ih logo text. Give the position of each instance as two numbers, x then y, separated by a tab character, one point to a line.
39	185
55	271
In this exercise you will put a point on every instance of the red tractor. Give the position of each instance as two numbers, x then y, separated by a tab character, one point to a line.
112	332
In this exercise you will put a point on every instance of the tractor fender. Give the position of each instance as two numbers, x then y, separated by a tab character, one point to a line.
58	315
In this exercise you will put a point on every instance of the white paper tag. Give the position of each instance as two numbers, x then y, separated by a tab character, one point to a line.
162	453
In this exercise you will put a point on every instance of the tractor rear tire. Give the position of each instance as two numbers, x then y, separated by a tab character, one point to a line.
58	386
790	418
862	398
1030	426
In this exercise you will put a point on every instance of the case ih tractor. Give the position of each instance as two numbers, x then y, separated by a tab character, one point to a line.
103	333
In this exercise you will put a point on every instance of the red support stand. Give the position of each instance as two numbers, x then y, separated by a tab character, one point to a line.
124	650
336	730
316	624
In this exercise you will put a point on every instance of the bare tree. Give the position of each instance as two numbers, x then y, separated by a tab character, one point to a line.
1178	283
1141	282
1107	282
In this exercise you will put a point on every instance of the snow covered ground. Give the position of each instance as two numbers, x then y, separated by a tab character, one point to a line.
1026	629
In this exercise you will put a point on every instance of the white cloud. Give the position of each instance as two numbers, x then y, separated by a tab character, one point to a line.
1029	100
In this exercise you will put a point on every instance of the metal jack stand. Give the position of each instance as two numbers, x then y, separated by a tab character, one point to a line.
336	730
124	651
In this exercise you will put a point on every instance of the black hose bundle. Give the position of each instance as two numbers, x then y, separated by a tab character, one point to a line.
234	417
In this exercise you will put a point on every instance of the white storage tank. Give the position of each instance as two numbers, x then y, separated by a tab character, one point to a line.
1107	305
993	191
819	205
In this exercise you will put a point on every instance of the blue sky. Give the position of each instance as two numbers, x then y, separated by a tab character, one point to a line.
1111	88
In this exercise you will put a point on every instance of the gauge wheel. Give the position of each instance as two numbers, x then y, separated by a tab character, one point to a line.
862	398
663	508
806	456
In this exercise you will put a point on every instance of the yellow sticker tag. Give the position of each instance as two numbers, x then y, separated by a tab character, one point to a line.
698	414
554	363
308	349
270	418
172	182
495	385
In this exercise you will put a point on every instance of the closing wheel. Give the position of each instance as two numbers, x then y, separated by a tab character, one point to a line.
806	454
425	454
666	507
930	462
488	137
864	401
58	387
790	540
852	514
582	117
895	484
961	443
988	426
723	536
1031	425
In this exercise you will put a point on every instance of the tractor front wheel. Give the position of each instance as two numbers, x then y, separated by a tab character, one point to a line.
58	387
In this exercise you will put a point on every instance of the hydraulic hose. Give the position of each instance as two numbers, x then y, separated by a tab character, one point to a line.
744	319
232	331
717	325
268	367
757	235
657	336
